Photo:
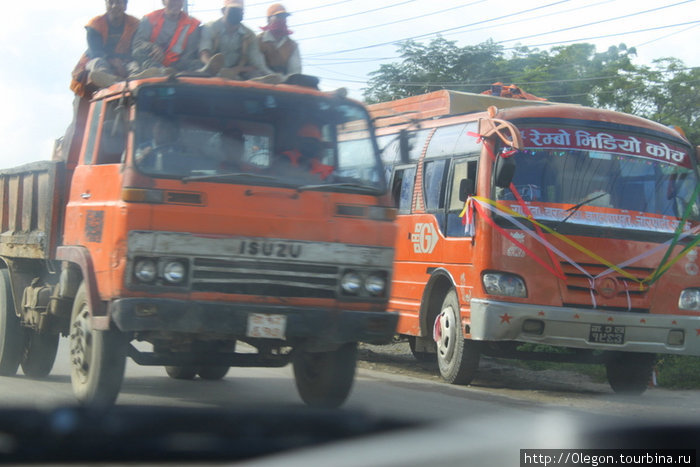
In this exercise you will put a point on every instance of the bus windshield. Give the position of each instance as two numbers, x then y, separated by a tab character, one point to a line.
230	135
603	179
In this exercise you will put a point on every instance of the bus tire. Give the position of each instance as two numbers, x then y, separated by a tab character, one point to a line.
212	373
98	358
39	353
458	358
629	372
11	331
324	379
181	372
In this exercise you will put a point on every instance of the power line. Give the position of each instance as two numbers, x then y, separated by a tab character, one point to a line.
439	32
355	14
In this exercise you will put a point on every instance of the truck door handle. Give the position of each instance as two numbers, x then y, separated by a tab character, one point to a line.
85	195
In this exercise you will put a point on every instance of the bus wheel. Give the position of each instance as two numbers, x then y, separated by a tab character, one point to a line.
11	331
181	372
324	379
419	354
457	357
39	353
629	372
98	358
213	373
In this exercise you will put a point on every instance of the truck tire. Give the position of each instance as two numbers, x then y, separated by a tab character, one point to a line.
324	379
629	372
458	358
181	372
39	353
213	373
98	358
11	331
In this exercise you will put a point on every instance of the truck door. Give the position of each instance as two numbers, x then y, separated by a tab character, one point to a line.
91	213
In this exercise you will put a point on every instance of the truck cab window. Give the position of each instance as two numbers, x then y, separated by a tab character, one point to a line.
112	137
92	132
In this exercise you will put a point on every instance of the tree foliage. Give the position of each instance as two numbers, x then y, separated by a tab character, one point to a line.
666	92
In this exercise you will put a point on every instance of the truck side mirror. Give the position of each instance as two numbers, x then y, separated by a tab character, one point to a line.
504	171
466	189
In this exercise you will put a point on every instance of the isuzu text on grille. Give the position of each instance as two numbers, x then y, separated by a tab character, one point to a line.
279	250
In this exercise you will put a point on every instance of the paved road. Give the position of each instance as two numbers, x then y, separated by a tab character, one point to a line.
389	383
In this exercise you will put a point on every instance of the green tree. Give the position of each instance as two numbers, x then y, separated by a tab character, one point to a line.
666	92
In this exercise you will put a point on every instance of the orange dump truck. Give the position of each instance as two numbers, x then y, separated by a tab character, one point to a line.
219	223
528	222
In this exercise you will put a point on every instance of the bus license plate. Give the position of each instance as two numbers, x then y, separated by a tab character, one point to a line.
607	334
266	326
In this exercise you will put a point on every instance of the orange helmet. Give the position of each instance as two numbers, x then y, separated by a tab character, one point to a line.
276	9
310	131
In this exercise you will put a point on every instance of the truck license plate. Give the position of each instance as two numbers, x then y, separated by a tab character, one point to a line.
607	334
266	326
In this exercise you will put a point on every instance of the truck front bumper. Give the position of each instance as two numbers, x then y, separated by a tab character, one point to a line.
572	327
230	320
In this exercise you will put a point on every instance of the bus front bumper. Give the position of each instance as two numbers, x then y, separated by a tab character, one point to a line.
585	328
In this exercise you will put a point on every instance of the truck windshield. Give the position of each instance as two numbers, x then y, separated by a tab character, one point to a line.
603	179
230	135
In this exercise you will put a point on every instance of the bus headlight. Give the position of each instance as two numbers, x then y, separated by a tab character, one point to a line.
501	283
174	272
375	285
689	299
145	270
351	283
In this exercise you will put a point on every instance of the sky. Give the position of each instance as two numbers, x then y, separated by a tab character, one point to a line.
341	41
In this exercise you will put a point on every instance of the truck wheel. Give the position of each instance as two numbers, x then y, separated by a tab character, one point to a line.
98	358
39	353
11	331
181	372
629	372
213	373
419	354
457	357
324	379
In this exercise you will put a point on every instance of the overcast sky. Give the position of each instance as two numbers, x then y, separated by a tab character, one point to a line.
341	42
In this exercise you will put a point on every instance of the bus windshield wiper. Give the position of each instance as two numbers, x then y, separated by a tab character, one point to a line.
578	206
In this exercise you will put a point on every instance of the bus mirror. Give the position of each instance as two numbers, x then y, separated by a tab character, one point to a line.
405	145
466	189
504	171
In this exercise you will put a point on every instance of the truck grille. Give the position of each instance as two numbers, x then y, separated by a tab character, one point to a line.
269	278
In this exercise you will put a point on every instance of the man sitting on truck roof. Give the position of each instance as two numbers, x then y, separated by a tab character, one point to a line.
281	53
167	41
236	42
109	49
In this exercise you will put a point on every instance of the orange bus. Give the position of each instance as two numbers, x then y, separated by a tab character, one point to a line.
527	222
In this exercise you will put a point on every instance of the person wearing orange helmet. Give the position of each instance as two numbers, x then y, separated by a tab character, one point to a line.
305	161
229	37
281	53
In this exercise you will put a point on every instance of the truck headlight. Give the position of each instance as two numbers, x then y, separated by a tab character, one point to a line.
174	272
501	283
351	283
375	285
689	299
145	270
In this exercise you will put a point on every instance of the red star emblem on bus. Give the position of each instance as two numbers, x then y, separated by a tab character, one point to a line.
674	322
541	313
610	319
698	332
505	318
642	321
576	316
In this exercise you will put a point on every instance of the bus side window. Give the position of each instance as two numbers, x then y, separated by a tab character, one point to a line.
402	188
434	182
462	170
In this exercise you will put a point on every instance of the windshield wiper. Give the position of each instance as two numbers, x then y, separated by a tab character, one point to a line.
355	186
578	206
230	174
